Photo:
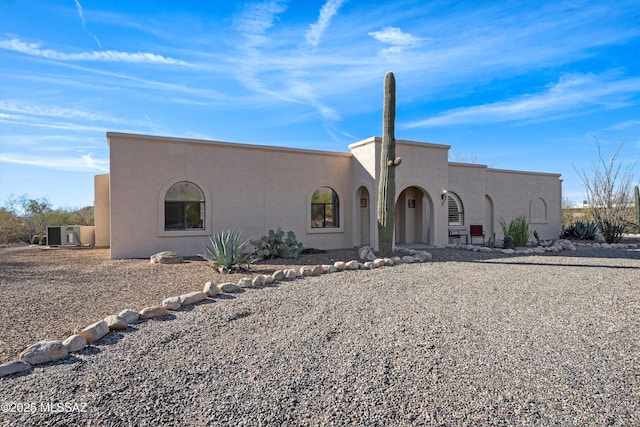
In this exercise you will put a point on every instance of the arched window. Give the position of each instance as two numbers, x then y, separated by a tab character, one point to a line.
184	207
456	210
325	208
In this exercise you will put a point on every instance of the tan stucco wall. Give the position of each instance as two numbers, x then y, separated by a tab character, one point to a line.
255	188
248	188
513	193
101	208
510	194
87	235
423	168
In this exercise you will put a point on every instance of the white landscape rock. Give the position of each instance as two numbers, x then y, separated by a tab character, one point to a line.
192	298
305	271
423	256
153	312
340	265
166	257
353	265
508	251
172	303
115	322
228	287
259	280
245	282
129	315
328	268
408	259
290	274
95	331
379	262
317	269
14	367
74	343
43	352
210	289
268	279
396	260
278	275
363	252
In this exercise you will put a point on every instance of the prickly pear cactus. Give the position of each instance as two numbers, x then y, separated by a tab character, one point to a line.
388	163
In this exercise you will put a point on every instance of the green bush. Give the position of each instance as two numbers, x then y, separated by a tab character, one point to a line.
580	230
227	253
518	229
276	245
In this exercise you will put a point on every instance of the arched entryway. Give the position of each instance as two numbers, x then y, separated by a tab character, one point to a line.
414	217
488	217
363	217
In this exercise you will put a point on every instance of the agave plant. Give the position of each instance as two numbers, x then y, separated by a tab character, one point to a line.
580	230
227	252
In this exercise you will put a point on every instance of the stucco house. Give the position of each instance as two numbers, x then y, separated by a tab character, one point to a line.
173	193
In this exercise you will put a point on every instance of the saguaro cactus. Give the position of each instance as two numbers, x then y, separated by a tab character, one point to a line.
636	197
388	163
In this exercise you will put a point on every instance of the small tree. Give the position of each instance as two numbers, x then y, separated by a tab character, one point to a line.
609	194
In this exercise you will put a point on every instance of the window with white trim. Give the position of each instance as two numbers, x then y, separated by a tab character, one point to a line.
184	207
456	210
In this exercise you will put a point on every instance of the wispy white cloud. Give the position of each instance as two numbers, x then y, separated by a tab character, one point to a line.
41	110
84	23
317	29
35	116
80	163
256	19
396	38
624	125
20	112
34	49
571	95
29	121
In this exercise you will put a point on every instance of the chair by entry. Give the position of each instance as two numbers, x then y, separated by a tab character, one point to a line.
476	231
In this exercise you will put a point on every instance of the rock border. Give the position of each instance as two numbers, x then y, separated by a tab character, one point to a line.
51	350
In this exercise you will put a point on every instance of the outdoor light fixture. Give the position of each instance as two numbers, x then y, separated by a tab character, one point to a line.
443	196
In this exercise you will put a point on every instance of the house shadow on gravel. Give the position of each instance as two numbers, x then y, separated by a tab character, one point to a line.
552	264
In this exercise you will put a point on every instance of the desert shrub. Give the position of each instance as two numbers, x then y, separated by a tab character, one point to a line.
580	230
227	252
12	228
518	228
277	245
22	218
608	190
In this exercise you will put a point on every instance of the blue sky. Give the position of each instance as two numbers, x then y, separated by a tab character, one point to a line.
514	85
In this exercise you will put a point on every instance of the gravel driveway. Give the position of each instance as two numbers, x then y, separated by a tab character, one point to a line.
527	340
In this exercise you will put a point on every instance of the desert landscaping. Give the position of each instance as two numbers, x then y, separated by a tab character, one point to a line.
468	337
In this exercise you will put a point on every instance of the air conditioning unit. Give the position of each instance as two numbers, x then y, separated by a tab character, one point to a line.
65	235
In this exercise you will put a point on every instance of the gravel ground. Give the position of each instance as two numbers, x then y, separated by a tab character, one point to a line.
469	339
48	292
